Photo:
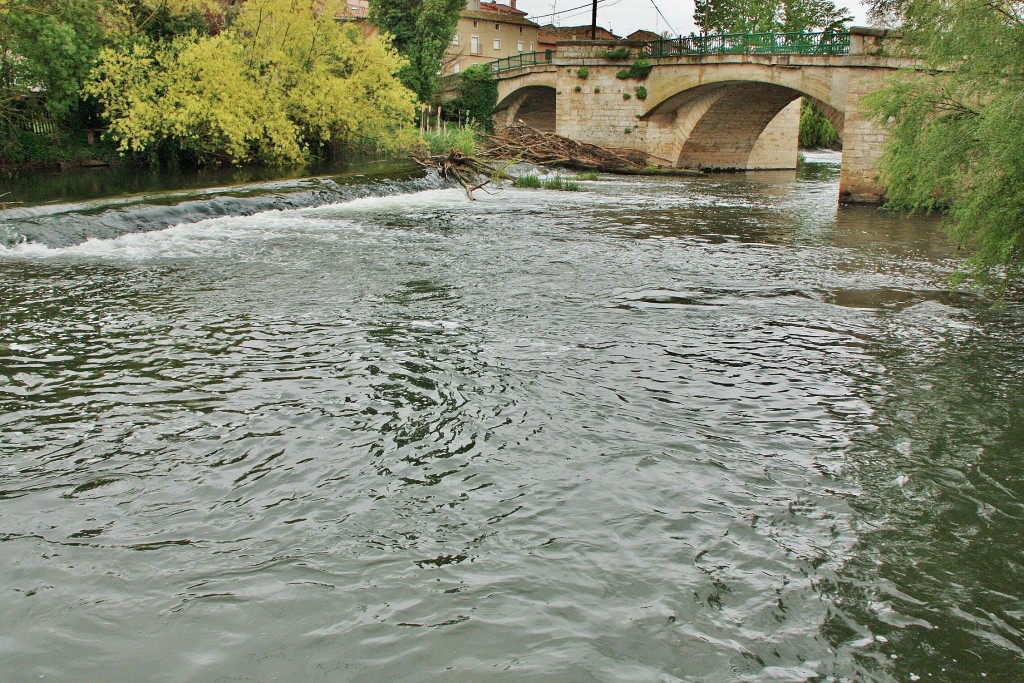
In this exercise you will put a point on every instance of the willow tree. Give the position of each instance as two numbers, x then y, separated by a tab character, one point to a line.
957	130
282	81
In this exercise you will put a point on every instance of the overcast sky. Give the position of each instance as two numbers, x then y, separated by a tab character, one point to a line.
625	16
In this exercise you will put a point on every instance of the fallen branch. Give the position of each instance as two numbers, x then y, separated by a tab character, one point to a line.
472	173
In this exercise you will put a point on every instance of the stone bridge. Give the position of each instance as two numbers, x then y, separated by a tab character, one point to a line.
735	111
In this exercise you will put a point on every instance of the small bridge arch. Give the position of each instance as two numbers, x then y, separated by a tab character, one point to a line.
532	100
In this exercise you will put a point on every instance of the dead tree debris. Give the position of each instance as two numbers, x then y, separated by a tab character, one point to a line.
523	143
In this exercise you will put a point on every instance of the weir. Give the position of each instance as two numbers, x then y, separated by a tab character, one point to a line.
715	103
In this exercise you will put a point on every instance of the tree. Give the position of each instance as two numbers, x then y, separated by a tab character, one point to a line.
476	94
47	48
767	16
957	130
284	79
887	12
816	131
421	31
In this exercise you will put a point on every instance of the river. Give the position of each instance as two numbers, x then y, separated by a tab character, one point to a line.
357	427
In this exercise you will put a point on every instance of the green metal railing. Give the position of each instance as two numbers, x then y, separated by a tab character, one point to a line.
522	59
825	43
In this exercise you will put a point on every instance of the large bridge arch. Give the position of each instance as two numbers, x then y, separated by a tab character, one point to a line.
731	124
826	85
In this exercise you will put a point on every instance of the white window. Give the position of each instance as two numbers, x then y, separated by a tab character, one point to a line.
531	47
457	68
497	44
455	39
521	46
474	45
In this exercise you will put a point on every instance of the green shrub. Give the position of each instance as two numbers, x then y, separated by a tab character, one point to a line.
641	92
528	181
557	182
626	96
477	93
628	131
616	55
639	70
597	89
578	88
583	72
586	175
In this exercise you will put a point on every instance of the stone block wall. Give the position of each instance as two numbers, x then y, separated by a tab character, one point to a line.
863	142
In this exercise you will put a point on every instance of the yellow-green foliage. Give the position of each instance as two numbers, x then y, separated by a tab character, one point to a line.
283	77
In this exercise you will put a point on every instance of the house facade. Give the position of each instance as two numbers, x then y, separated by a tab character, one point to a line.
358	9
488	31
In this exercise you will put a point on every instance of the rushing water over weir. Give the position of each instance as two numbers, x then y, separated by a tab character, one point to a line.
707	429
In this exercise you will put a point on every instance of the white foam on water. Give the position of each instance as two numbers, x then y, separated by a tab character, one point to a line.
404	203
822	156
210	237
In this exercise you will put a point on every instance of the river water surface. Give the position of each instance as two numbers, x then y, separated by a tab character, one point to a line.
333	429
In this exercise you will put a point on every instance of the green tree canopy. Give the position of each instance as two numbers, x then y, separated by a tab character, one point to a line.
957	128
47	47
476	94
766	16
284	78
421	31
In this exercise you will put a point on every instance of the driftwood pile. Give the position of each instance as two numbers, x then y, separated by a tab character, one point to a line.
522	143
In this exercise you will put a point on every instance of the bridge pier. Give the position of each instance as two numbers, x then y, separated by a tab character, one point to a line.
714	111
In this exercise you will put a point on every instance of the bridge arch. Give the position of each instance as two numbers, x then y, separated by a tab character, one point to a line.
734	123
531	99
533	105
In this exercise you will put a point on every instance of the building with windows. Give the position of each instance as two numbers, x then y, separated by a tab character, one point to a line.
488	31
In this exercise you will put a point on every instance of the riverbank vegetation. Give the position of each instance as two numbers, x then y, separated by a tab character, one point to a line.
957	127
195	82
283	79
816	131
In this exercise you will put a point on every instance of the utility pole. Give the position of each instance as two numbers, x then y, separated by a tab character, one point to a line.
593	22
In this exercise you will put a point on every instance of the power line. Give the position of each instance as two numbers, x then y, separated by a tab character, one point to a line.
566	11
663	18
605	3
